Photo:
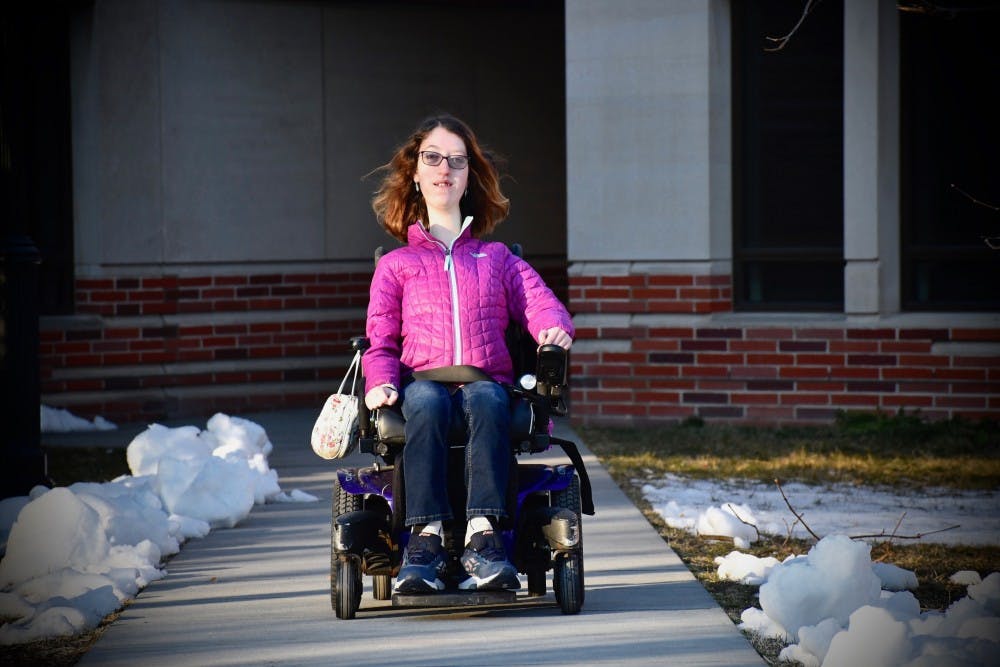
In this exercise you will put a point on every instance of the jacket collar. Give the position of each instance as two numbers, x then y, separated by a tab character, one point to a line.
417	235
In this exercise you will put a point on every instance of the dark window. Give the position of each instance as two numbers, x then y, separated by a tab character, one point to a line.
950	145
788	180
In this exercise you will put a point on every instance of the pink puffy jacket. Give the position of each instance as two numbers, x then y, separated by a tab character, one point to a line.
434	306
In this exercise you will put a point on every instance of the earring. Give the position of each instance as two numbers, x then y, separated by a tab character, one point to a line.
417	185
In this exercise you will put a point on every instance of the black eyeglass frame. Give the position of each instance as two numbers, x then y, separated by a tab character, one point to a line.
433	159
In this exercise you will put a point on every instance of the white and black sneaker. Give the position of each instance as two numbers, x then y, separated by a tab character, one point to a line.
424	564
485	561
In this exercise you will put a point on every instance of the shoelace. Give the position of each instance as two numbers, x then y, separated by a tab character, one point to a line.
420	550
489	547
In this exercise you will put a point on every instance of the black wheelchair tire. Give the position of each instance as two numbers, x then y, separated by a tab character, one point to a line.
567	569
348	587
382	586
343	502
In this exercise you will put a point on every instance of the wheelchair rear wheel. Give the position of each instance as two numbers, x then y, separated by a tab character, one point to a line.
382	586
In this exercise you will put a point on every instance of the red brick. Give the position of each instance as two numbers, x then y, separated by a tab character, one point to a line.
705	397
109	295
671	384
718	280
869	334
117	334
697	293
655	397
625	383
779	334
821	334
770	359
649	293
976	334
907	373
819	359
670	332
721	385
871	360
94	283
854	346
830	387
704	371
704	345
767	414
583	281
753	345
678	411
923	360
803	372
122	359
977	362
623	281
799	398
960	401
854	399
869	372
936	335
908	346
671	280
667	307
652	344
960	373
754	372
624	409
729	358
924	387
754	399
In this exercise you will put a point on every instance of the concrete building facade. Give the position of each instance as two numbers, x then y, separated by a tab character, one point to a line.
222	237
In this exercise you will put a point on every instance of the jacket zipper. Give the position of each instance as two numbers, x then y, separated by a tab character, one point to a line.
449	266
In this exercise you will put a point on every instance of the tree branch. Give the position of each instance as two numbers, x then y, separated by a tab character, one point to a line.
792	509
741	520
782	41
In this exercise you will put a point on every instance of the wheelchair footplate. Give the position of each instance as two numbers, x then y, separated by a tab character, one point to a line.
454	598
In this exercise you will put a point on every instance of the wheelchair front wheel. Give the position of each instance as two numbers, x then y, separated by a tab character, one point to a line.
567	582
348	597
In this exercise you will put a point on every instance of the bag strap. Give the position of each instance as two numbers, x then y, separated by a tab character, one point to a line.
355	363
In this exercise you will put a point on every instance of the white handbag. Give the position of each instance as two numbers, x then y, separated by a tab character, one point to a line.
336	429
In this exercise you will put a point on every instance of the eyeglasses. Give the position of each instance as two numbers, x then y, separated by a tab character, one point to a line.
433	159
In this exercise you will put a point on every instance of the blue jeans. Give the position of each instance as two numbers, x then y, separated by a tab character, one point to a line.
430	408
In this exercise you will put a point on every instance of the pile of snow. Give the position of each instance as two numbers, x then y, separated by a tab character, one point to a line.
58	420
839	609
710	507
74	555
833	605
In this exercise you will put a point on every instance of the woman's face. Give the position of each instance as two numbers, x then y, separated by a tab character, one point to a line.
442	186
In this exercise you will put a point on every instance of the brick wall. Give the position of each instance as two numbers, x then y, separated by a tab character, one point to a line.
631	365
152	347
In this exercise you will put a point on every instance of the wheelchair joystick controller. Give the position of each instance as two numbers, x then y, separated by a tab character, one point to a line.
551	376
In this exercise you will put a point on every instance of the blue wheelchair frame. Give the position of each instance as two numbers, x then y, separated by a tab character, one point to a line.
546	502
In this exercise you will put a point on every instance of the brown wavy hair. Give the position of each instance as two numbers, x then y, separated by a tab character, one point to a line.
397	204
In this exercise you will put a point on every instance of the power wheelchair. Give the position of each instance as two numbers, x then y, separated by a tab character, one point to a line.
546	503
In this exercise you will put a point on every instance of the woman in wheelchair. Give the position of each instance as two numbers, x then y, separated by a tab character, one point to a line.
445	299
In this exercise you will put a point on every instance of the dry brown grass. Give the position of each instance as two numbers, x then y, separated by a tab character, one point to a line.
892	451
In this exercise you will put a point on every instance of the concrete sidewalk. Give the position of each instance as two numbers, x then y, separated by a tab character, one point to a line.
258	594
